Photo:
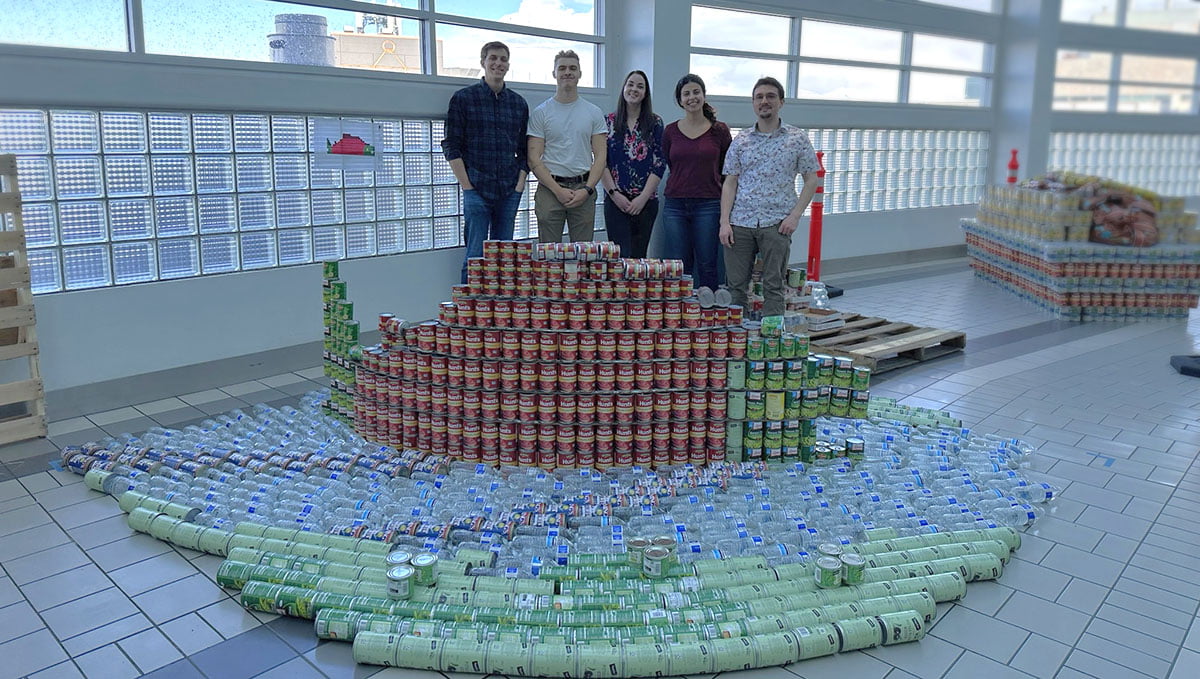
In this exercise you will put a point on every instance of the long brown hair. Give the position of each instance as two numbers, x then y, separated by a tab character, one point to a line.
645	122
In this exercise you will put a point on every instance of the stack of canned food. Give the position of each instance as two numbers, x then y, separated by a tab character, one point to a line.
780	389
557	355
341	347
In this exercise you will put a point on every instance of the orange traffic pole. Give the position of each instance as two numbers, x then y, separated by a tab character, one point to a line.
814	223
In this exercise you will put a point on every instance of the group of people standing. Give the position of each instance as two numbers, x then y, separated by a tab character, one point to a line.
726	200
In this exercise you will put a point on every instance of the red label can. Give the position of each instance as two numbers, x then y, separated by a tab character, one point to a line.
529	376
568	346
567	377
718	343
626	346
597	315
520	313
546	437
491	375
624	408
509	405
662	405
605	408
588	346
585	374
510	376
489	405
643	375
699	374
683	344
549	345
472	343
454	402
643	406
501	313
699	407
547	407
472	401
510	345
737	343
491	344
700	343
625	377
483	312
644	346
607	347
616	315
681	405
718	374
578	316
558	315
672	313
547	376
539	314
681	375
606	376
439	370
664	344
530	346
568	408
585	408
527	407
466	310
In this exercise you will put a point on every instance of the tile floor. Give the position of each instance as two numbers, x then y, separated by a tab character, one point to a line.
1103	587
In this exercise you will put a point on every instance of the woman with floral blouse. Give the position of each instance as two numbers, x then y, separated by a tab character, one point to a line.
635	167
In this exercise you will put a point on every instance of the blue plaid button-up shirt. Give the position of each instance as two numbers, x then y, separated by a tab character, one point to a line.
487	130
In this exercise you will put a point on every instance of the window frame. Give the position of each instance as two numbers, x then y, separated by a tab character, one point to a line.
905	68
1114	81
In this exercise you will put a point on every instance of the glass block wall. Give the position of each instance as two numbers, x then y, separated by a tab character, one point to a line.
1166	163
116	197
871	170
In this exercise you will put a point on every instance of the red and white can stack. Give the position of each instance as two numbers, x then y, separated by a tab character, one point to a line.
557	355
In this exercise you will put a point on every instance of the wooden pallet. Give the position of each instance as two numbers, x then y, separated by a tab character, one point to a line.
884	345
23	398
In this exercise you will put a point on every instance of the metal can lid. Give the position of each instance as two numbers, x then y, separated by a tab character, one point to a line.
424	560
637	543
656	553
398	557
829	548
828	563
853	560
401	572
663	541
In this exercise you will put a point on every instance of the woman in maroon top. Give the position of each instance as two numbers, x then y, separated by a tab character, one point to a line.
695	147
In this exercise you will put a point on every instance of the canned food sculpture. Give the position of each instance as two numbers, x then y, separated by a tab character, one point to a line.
557	355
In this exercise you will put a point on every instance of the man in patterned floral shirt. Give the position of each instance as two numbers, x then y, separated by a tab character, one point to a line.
759	206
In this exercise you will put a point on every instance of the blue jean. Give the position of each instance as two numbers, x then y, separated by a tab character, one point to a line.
487	219
691	228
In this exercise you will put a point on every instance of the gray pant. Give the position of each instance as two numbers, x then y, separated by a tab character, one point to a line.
775	250
581	219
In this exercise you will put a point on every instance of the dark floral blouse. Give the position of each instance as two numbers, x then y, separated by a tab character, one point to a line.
632	159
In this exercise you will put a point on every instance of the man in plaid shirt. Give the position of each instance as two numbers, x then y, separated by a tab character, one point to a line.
485	146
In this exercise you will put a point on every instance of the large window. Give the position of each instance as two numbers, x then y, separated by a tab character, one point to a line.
1118	82
113	197
1176	16
434	37
1165	163
838	61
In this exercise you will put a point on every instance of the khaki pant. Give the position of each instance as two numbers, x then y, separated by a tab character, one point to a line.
775	250
580	220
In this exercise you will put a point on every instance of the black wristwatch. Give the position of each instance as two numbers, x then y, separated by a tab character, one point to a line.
591	191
